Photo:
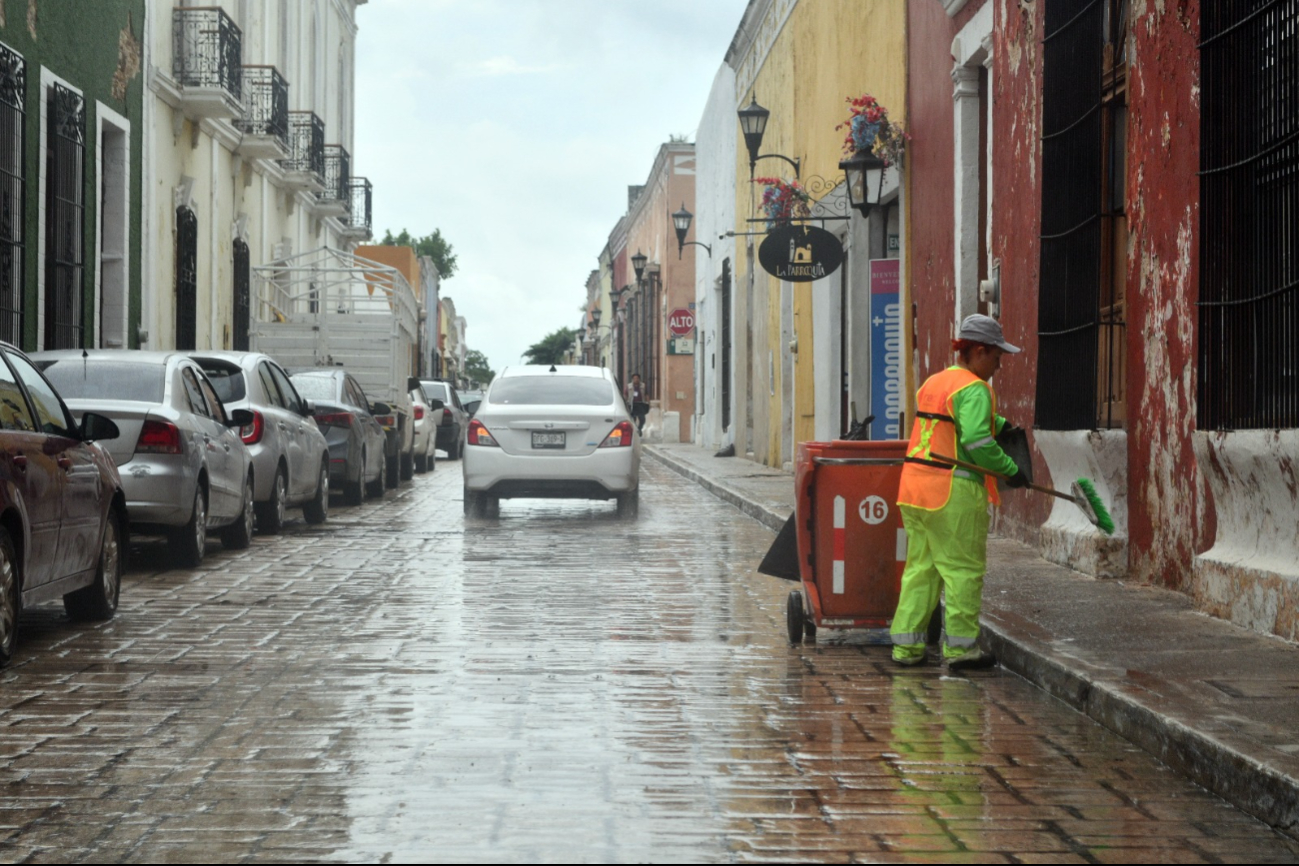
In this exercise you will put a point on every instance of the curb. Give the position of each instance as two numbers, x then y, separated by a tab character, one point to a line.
1244	781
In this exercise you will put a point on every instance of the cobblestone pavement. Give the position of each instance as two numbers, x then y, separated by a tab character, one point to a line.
555	684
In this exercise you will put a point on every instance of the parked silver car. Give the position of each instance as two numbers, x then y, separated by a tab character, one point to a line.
427	420
289	453
356	440
184	469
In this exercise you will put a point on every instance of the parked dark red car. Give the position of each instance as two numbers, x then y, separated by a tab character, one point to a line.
63	525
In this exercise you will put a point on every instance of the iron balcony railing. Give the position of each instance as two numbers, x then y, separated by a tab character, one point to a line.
362	194
307	144
338	169
206	49
266	103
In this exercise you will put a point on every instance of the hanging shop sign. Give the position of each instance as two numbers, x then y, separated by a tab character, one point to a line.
886	349
800	253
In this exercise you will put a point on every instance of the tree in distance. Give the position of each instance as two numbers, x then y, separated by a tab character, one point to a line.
551	348
434	246
476	368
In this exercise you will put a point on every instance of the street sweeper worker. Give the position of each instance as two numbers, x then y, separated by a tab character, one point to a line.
945	508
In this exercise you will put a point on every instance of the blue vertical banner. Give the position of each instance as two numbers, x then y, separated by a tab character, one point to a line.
886	349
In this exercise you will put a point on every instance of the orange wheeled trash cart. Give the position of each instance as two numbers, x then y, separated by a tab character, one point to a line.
851	544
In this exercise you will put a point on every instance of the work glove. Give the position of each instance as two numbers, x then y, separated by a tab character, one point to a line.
1018	480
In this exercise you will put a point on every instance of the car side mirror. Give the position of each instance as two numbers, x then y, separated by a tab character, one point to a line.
95	427
436	405
380	409
471	407
413	383
308	408
240	418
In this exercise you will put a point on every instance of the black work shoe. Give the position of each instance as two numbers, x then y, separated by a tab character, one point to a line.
975	659
911	661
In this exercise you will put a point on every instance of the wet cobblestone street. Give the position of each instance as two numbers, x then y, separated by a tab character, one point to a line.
556	684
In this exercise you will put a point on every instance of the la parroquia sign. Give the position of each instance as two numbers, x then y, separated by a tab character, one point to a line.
800	253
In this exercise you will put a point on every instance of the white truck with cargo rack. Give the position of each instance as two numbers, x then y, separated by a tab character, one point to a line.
329	308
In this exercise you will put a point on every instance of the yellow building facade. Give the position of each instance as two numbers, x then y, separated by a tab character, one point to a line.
801	60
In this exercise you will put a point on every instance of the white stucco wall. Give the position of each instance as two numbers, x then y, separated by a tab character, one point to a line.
715	145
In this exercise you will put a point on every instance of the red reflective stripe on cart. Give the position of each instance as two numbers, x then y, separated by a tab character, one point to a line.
839	544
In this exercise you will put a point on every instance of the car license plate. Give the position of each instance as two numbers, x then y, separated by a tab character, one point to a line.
547	440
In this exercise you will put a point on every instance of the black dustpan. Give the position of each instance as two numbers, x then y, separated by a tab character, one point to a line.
782	559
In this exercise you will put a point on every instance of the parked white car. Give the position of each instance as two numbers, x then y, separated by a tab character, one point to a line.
552	432
427	420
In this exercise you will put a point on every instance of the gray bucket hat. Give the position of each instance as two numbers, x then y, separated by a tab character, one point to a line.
985	329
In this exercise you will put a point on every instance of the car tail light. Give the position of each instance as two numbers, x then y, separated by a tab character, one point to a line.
158	437
446	418
386	420
251	434
334	419
619	436
419	412
478	435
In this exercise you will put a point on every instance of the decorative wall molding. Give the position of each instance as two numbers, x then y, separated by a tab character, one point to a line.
754	55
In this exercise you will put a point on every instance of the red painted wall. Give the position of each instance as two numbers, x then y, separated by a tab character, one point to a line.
1168	519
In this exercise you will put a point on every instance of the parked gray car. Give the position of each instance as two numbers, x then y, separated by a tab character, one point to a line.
184	469
356	440
289	453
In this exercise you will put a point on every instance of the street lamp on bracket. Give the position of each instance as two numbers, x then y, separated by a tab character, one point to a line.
753	123
681	222
638	264
865	174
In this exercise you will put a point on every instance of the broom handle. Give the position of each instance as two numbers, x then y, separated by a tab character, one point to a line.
943	458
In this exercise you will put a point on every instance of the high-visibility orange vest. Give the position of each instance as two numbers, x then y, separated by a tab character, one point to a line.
926	483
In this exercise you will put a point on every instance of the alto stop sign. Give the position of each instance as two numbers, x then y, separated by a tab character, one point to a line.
681	322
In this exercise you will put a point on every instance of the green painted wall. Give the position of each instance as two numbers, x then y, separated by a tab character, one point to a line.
97	47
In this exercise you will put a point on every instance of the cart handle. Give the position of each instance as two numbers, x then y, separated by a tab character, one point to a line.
858	461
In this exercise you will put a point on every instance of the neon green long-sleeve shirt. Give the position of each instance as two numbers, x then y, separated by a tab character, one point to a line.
972	409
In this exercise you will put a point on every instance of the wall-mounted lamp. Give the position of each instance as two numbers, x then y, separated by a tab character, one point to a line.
681	222
865	173
595	316
753	123
638	264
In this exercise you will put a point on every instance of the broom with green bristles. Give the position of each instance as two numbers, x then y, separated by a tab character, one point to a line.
1081	493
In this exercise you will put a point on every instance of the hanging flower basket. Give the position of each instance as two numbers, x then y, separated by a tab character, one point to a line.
869	128
783	200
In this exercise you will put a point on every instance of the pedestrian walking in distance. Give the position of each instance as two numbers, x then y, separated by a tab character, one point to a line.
636	399
945	508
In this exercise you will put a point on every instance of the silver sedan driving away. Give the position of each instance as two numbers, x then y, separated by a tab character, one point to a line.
552	432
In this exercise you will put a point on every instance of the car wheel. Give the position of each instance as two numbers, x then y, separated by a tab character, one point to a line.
189	543
99	600
238	535
475	503
317	510
629	503
376	487
421	463
408	465
354	491
392	466
270	514
10	603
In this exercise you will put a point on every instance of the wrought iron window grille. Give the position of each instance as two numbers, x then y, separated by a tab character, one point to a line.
242	318
338	167
65	216
186	279
1249	213
266	103
206	49
13	193
307	143
361	193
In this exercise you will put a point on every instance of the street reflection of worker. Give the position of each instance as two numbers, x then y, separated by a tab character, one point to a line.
945	509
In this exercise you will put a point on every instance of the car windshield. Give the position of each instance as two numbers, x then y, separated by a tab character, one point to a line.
77	379
228	382
314	387
551	391
435	391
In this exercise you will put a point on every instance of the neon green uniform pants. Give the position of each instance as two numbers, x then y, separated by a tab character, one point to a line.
946	550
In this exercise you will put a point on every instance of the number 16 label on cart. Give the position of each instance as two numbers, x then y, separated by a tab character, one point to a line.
873	510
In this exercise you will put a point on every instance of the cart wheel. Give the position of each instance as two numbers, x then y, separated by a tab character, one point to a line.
935	635
794	617
809	630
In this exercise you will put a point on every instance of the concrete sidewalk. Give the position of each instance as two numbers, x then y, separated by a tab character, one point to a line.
1213	701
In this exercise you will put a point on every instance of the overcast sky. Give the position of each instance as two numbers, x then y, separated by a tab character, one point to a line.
515	127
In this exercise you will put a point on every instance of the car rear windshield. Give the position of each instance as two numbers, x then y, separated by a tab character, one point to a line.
314	387
435	391
551	391
76	379
228	381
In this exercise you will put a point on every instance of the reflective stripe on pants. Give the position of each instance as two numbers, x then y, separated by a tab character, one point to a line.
947	550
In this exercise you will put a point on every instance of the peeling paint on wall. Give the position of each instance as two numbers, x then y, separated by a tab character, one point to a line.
31	18
128	60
